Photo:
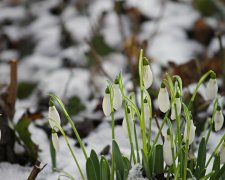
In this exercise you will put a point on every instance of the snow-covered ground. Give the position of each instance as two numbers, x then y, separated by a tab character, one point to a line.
165	30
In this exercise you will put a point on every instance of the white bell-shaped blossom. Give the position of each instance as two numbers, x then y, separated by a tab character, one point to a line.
212	87
191	134
131	124
117	97
147	76
218	119
55	141
146	112
178	106
167	151
222	154
53	117
106	105
163	99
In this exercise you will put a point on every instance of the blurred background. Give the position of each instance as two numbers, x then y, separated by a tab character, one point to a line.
72	47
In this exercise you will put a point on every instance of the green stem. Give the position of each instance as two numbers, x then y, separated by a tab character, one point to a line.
215	150
71	123
202	79
136	143
211	121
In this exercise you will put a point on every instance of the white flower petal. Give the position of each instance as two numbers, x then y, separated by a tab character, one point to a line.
222	154
211	89
191	134
147	76
167	151
178	105
124	125
106	105
53	117
117	98
163	100
55	141
146	113
218	120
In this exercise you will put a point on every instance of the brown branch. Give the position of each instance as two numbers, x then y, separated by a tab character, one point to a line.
12	90
36	170
97	59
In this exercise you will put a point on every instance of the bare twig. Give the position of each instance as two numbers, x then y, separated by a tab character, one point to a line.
36	170
98	59
12	90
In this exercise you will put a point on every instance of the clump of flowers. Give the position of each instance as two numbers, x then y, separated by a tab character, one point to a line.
168	160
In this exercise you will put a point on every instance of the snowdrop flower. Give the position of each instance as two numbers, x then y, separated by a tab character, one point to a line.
146	111
147	74
131	123
117	96
191	134
167	150
222	153
212	87
55	141
163	99
218	119
53	117
106	105
178	106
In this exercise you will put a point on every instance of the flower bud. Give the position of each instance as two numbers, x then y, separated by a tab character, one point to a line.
218	119
147	74
53	117
222	154
55	141
178	106
117	97
163	99
146	111
212	87
167	151
191	134
106	106
131	124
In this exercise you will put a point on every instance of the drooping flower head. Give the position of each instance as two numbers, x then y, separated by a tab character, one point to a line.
117	96
167	150
53	116
218	119
191	133
55	140
106	106
147	74
178	107
212	87
163	99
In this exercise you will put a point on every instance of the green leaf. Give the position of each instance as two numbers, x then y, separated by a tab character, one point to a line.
25	136
98	42
127	167
158	159
145	164
216	166
119	166
25	89
221	172
91	175
104	169
74	106
94	158
201	159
